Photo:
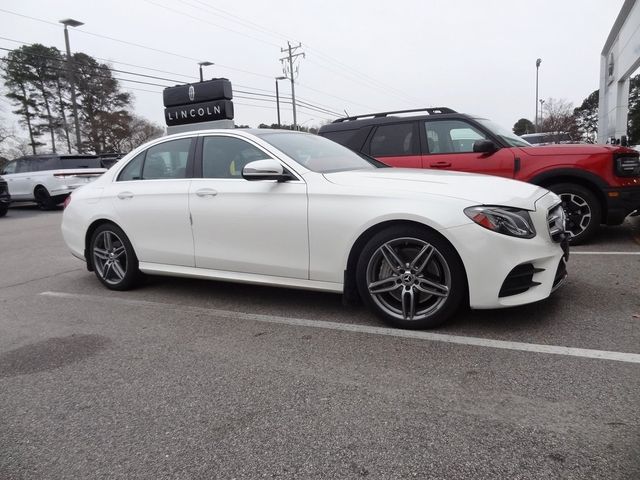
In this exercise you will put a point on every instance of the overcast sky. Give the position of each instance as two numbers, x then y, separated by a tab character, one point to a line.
361	56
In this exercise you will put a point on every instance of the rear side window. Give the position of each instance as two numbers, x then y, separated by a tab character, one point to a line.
133	170
394	140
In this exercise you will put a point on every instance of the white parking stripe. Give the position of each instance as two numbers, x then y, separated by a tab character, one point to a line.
390	332
573	252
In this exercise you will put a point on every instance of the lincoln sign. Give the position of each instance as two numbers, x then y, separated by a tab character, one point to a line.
198	102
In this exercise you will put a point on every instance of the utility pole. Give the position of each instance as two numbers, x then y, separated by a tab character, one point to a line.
287	68
538	62
278	98
70	22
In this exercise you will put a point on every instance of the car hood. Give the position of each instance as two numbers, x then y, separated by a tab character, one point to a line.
474	188
574	149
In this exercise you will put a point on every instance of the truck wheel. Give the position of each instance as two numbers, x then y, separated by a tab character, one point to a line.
582	209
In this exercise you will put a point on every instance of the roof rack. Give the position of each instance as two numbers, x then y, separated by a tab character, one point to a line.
430	111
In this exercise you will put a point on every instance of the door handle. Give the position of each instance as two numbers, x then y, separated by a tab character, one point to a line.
206	192
440	164
125	195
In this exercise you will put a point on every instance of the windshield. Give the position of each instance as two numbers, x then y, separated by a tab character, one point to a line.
318	154
509	137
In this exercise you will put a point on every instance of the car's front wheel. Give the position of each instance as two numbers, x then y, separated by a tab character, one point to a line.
114	260
411	277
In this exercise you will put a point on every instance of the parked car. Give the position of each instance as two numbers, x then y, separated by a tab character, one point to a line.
547	138
598	184
5	197
48	179
284	208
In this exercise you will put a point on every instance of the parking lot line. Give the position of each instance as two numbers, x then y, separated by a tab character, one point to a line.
573	252
390	332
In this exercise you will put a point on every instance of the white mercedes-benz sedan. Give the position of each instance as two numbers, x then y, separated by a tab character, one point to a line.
282	208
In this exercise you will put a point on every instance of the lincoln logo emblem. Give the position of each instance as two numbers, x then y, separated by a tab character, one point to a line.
192	92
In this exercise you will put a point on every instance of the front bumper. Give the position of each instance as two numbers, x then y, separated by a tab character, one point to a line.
621	202
490	258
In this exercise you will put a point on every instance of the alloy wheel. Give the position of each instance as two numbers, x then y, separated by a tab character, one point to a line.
408	278
577	213
110	257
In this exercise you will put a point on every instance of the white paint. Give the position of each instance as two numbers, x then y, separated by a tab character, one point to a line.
390	332
619	59
604	253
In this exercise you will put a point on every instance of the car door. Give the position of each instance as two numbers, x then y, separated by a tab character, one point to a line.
448	145
257	227
396	144
20	181
150	197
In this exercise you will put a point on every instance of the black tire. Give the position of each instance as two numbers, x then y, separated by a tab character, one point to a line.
582	209
43	199
114	261
402	299
4	210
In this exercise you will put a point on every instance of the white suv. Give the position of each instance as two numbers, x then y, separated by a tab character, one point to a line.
49	179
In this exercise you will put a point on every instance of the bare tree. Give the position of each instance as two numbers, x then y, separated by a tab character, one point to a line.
559	118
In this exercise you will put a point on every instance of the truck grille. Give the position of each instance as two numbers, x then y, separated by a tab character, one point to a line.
556	223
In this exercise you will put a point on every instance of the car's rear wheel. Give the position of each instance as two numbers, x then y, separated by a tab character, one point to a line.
582	210
3	210
43	198
114	260
411	277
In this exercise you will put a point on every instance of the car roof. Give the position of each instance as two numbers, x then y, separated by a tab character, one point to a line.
353	122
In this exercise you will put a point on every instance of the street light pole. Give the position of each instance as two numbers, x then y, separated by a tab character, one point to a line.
278	98
538	62
203	64
541	103
70	22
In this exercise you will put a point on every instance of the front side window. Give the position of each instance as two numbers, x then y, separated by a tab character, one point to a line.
451	136
167	160
394	141
10	168
225	157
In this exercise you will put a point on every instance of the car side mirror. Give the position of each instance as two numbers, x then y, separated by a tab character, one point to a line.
484	146
265	170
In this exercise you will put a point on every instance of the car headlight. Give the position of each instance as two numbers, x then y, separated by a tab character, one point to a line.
506	220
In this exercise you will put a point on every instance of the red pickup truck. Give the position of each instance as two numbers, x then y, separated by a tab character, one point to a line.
598	184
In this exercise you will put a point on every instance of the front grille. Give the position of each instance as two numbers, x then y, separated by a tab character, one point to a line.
556	223
519	280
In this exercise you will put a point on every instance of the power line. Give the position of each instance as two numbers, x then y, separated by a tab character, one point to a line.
102	67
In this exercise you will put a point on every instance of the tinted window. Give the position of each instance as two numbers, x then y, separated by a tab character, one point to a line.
343	137
394	140
133	169
167	160
451	136
225	157
10	167
37	164
79	162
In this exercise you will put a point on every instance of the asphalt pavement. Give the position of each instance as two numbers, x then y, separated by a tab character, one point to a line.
187	379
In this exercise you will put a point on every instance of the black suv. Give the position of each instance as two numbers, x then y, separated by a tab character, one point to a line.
5	198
